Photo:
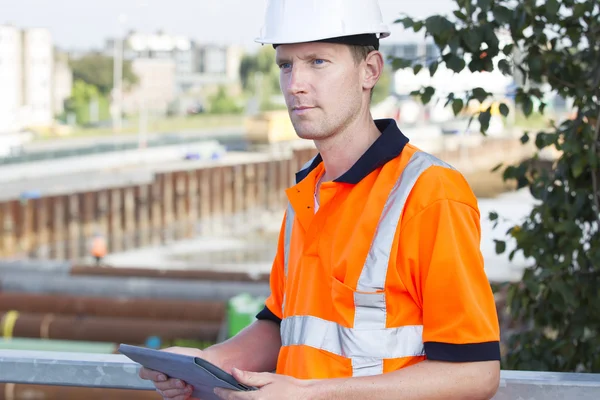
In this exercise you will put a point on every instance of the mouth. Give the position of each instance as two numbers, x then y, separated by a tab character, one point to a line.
301	109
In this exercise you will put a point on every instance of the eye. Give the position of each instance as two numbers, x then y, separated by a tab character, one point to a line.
319	61
285	65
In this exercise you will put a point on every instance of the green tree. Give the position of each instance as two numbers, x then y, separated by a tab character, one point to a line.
382	90
97	69
83	98
222	103
553	44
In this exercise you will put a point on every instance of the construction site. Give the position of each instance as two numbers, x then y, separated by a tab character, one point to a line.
189	241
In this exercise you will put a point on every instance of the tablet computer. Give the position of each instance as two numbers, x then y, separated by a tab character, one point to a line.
201	374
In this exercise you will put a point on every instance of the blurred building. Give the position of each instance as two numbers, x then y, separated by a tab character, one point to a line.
198	68
155	89
33	86
38	68
62	82
11	80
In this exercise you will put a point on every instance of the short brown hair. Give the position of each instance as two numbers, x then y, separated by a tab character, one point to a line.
359	53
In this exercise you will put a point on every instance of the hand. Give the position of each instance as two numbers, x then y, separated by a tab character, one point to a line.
271	387
171	389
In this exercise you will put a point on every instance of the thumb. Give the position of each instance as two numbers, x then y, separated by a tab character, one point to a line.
257	379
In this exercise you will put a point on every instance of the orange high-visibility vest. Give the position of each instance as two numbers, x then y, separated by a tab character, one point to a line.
387	273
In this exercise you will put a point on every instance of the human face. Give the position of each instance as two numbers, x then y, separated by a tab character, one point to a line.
322	87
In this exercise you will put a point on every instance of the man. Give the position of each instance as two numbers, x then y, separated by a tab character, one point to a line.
378	287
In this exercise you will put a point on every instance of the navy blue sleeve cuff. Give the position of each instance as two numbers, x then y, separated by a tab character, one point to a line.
471	352
268	315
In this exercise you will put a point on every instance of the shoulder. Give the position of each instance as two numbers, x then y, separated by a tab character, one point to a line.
436	181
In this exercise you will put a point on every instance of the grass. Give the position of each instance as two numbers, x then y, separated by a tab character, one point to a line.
131	126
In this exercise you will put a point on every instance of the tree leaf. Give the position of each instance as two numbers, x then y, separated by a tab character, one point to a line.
505	68
401	63
502	15
472	39
552	7
433	68
484	120
525	138
578	167
484	4
479	94
504	109
500	246
427	94
455	63
460	15
497	167
508	49
407	22
527	106
457	106
438	25
417	68
493	216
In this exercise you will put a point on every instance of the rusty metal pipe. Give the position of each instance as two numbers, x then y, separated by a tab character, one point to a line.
11	391
105	329
117	307
206	275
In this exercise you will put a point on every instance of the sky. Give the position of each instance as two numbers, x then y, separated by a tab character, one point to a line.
85	24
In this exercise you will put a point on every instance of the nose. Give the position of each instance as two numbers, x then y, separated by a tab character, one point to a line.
297	82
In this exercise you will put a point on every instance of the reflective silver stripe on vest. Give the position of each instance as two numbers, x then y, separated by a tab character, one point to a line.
287	234
350	342
369	342
370	307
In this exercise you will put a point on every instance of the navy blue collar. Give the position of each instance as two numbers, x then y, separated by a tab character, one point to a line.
387	147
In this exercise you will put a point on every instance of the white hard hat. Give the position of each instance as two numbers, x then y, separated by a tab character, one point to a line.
299	21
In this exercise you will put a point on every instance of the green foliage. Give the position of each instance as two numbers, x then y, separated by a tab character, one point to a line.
98	70
382	90
222	103
83	98
259	75
555	44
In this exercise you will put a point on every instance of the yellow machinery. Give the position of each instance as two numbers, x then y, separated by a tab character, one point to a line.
270	127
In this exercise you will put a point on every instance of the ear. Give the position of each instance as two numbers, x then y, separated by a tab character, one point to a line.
373	68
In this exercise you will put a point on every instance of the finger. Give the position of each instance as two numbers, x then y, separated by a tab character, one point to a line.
177	394
177	384
226	394
257	379
152	375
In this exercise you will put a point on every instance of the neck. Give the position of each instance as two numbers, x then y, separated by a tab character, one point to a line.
341	151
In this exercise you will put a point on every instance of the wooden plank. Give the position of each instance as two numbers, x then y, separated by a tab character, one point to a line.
73	226
59	227
261	186
7	234
156	211
42	228
142	217
205	198
168	209
26	234
218	192
191	203
115	221
129	213
180	199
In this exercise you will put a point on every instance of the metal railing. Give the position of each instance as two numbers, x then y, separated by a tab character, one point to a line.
115	371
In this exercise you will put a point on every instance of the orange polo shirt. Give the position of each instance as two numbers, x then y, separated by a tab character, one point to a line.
435	291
